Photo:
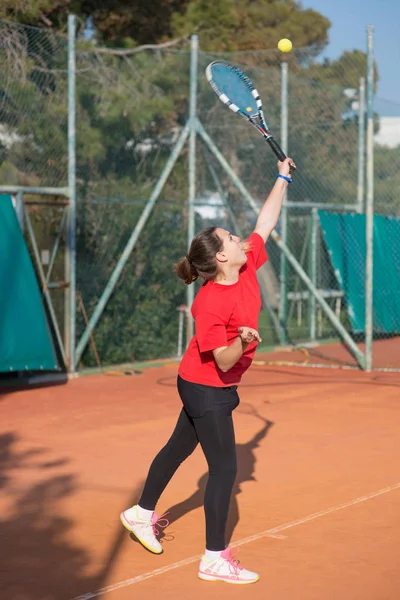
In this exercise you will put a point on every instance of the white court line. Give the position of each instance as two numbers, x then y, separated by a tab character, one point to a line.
252	538
322	513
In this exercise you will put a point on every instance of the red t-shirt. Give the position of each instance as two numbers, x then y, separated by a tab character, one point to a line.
218	311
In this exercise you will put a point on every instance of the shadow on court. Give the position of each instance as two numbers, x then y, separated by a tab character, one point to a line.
38	560
18	382
246	467
305	378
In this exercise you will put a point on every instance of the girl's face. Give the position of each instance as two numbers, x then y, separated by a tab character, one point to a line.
232	251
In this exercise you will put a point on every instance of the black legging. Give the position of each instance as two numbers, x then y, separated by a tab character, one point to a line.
215	433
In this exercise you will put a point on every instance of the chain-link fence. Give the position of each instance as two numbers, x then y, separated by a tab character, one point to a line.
132	163
33	134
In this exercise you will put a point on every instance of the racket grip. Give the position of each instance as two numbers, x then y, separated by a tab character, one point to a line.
276	148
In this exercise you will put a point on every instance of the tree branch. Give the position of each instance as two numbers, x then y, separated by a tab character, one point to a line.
130	51
45	20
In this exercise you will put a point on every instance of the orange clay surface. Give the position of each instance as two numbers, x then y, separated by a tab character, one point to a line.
315	509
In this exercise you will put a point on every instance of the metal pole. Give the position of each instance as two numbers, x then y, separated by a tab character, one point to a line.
361	145
45	288
182	310
313	273
42	191
283	305
192	165
324	206
19	208
56	245
70	249
304	250
369	203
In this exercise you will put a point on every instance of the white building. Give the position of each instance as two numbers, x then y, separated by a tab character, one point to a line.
389	132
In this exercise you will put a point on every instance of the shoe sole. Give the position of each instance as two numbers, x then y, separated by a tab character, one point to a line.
129	528
205	577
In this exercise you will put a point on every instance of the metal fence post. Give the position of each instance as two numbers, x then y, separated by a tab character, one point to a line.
369	210
70	249
18	201
361	146
313	273
283	304
192	165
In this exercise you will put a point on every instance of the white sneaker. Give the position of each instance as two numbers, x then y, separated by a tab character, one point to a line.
225	568
144	531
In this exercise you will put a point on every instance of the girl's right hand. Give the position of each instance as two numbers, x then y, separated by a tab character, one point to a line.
248	335
286	167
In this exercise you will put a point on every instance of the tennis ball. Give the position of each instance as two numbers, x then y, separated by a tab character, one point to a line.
285	45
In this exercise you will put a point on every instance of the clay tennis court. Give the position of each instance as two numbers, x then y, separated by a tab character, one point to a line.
315	509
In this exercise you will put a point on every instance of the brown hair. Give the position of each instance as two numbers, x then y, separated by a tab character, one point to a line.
200	261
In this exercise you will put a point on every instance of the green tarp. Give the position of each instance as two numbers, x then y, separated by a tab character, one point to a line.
345	238
25	339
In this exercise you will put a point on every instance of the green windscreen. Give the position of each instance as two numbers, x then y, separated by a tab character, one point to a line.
345	238
25	339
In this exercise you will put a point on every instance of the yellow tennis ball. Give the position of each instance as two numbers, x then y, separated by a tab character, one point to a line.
285	45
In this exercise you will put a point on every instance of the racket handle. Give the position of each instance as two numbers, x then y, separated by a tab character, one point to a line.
276	148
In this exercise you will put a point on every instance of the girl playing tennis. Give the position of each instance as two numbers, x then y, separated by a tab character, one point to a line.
225	311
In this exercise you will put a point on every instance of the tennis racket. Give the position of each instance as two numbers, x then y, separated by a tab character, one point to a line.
238	93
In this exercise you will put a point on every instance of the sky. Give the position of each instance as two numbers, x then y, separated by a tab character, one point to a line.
349	19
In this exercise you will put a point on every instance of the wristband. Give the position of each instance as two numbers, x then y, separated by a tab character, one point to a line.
288	179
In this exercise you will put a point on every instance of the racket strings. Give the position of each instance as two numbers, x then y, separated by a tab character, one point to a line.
237	92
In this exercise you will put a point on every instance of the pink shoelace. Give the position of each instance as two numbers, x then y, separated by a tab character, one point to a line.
160	522
234	564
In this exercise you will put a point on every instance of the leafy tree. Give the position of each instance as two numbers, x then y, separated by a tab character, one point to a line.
224	25
345	71
227	25
118	22
141	319
387	181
